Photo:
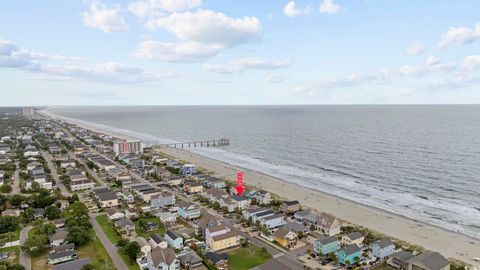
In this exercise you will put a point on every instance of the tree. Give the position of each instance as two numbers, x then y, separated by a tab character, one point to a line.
132	250
16	200
78	235
27	215
77	210
35	245
10	266
73	198
8	224
122	242
6	188
52	212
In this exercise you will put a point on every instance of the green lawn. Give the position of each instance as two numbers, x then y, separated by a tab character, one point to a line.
108	229
246	257
131	266
14	253
93	249
14	236
146	235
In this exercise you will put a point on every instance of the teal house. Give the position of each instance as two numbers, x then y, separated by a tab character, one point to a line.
349	254
326	245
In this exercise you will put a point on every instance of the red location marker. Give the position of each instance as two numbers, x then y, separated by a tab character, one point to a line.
240	189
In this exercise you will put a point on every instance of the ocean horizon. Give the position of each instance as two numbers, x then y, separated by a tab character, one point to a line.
418	161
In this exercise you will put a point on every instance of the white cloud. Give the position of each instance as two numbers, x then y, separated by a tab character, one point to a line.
145	8
103	18
291	10
201	34
432	60
471	62
275	78
12	56
415	49
328	7
175	52
240	65
459	35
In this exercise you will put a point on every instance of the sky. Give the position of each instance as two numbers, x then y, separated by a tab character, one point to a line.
222	52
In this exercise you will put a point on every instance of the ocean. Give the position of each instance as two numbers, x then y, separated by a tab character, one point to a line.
419	161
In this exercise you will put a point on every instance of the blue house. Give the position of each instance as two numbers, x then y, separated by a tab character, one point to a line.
188	169
189	211
383	248
326	245
349	254
174	240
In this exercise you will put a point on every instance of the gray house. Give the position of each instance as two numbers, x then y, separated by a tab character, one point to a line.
162	200
383	248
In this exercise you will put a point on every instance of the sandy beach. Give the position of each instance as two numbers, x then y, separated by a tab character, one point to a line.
448	243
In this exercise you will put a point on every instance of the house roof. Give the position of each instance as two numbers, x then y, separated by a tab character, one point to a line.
281	233
350	249
162	255
290	203
73	265
354	235
62	248
157	238
61	254
383	243
217	228
216	257
273	217
224	236
141	241
106	196
403	256
124	222
430	260
327	240
296	227
172	235
113	211
58	235
190	258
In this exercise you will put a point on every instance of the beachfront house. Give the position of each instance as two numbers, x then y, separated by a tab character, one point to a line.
349	255
383	248
353	238
428	261
400	259
329	224
326	245
290	206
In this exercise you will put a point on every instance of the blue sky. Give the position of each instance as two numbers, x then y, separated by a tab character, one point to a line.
136	52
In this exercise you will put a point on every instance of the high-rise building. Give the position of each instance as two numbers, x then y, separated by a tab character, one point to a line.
127	147
28	111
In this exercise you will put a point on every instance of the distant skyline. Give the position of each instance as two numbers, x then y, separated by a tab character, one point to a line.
202	52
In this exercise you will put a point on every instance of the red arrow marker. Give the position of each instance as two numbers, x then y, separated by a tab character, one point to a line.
240	189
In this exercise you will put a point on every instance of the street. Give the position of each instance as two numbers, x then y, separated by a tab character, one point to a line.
53	171
24	258
109	247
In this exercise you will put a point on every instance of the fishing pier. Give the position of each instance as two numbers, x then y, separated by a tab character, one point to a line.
204	143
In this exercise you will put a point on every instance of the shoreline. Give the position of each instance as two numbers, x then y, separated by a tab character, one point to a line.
450	244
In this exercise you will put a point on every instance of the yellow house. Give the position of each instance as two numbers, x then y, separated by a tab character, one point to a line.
223	241
285	238
353	238
193	187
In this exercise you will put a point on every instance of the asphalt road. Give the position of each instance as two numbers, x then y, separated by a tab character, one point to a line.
53	171
24	258
16	180
111	248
